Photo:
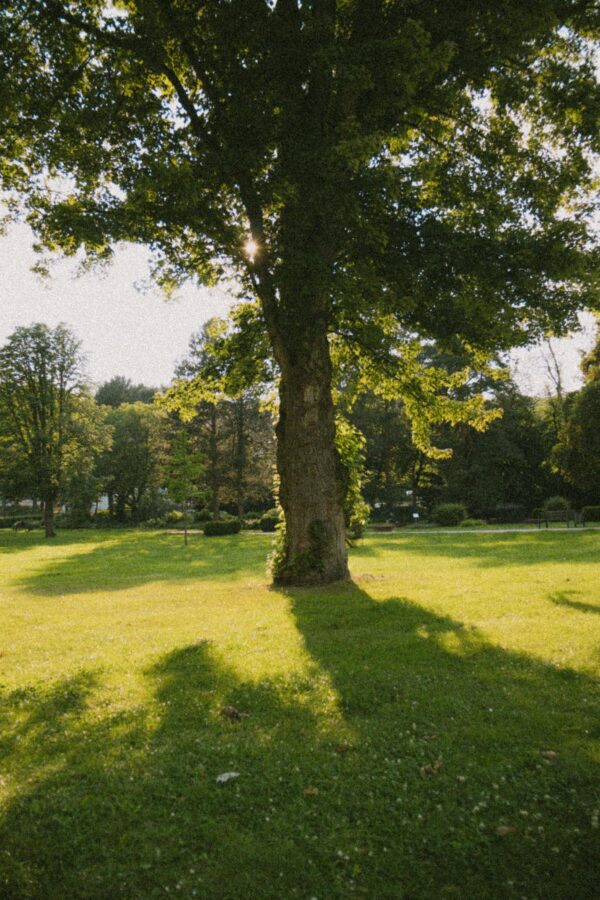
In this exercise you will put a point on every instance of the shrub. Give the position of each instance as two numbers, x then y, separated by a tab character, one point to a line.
355	530
472	523
252	524
556	504
449	513
103	519
62	520
591	513
202	515
174	517
222	526
270	520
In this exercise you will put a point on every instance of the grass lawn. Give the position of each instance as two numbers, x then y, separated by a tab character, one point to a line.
430	730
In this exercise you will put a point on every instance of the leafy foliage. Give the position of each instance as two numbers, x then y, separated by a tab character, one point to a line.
361	169
448	513
47	427
120	390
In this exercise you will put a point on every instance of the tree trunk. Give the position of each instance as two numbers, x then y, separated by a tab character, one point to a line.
240	455
312	478
213	454
49	517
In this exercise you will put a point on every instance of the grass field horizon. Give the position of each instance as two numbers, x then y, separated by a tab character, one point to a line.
429	729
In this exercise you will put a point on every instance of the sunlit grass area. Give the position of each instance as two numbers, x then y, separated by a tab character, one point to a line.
430	730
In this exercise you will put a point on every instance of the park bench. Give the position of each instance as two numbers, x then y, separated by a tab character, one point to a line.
569	516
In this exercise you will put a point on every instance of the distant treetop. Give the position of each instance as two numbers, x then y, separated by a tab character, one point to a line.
120	390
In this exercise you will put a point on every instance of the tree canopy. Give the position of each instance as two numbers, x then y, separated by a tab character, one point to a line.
119	390
47	425
364	169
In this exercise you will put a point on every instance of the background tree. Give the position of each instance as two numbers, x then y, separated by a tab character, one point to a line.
234	434
576	454
133	469
119	390
90	437
352	164
40	380
501	468
183	471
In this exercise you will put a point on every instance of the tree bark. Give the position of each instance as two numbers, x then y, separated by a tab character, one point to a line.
312	478
213	454
49	517
240	455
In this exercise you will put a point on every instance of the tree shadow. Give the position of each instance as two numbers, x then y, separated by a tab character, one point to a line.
18	541
130	558
384	771
564	598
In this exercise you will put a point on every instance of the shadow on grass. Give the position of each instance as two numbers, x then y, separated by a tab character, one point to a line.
120	560
564	598
19	541
491	550
386	771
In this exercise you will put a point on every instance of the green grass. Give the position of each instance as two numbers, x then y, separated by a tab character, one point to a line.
398	728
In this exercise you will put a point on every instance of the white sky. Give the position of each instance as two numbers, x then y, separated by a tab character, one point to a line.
123	331
142	335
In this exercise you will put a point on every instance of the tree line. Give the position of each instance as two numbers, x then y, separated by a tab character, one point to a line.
201	449
362	171
63	447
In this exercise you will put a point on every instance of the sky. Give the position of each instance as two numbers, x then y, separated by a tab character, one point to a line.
123	330
141	336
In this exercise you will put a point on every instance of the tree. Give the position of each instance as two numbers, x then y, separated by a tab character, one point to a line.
183	473
120	390
503	466
233	433
133	468
576	455
40	384
91	436
359	167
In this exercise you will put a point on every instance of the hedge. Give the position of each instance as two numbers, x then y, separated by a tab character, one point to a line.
448	513
270	520
222	526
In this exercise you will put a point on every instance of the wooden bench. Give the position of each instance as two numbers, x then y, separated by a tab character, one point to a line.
569	516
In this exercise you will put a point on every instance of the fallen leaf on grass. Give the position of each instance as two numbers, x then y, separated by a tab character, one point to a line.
343	748
432	768
232	714
311	791
550	754
503	830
